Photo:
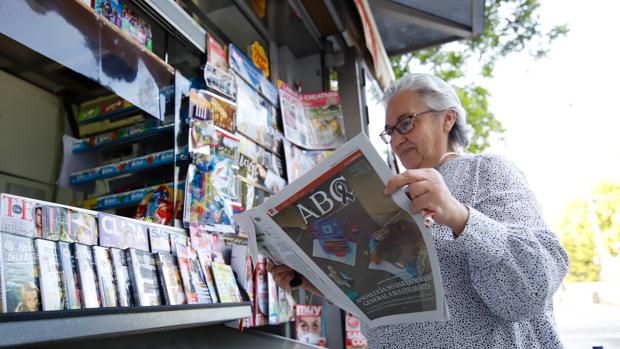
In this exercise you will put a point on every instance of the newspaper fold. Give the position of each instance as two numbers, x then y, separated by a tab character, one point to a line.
361	248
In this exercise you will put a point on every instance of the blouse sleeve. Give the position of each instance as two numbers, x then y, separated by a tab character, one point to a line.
515	262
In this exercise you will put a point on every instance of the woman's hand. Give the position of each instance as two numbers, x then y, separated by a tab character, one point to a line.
429	192
283	275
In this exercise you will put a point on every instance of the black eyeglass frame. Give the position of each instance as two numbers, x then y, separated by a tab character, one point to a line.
386	134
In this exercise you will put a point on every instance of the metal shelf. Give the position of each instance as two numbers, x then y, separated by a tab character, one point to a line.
84	145
127	111
45	327
119	200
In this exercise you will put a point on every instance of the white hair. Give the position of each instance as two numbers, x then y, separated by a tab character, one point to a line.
437	95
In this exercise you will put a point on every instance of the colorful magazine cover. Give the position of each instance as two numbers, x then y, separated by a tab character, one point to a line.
261	292
158	206
119	232
287	306
309	324
112	10
354	338
220	80
177	240
105	277
312	120
225	283
82	228
253	76
300	161
50	280
274	301
257	119
170	276
205	260
202	136
216	53
205	105
120	267
56	223
143	272
70	278
18	216
87	275
159	240
18	268
194	282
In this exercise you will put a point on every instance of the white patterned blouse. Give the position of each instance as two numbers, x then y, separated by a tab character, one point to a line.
499	275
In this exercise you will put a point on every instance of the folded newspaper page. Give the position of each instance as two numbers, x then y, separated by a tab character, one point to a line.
361	248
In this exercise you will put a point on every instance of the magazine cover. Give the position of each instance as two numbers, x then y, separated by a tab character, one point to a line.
253	76
85	265
55	223
227	289
216	53
257	119
205	105
50	280
309	324
194	282
18	283
261	292
143	272
293	116
202	136
361	248
70	280
287	306
220	80
157	205
205	260
119	232
105	277
112	10
178	240
300	161
274	301
170	277
17	216
354	339
159	240
120	267
82	228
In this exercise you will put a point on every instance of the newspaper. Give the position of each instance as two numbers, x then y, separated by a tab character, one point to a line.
362	249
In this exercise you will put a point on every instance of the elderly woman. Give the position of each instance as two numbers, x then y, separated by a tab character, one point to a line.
500	263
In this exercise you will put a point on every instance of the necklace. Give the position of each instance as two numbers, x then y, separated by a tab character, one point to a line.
445	158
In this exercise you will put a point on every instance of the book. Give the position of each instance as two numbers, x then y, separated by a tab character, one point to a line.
18	274
105	277
70	278
194	282
123	233
86	272
309	324
170	276
17	216
159	239
225	283
120	268
50	277
145	282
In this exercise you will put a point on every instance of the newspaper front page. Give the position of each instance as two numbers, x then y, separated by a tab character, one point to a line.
361	248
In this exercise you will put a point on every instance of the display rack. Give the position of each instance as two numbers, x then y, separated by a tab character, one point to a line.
127	111
86	145
120	200
45	327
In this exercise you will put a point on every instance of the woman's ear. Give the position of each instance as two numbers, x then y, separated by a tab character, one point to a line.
449	120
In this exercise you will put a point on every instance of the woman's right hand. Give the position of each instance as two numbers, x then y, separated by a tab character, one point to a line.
283	275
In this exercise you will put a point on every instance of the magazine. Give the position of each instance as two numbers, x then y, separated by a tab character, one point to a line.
69	276
144	278
50	281
309	324
227	289
362	249
105	277
194	282
170	278
18	216
160	240
120	232
18	282
300	161
86	272
120	266
354	338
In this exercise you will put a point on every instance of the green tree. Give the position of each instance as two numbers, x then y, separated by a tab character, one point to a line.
577	230
510	26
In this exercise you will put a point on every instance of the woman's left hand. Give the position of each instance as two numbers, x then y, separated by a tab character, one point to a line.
428	191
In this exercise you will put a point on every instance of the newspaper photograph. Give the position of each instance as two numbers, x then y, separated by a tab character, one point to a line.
362	249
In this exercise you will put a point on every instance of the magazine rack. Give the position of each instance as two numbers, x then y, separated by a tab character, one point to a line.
45	327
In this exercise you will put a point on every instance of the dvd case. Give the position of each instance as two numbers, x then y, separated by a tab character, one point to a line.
50	280
170	276
18	274
105	277
55	223
69	276
144	278
159	240
194	282
225	282
205	264
86	273
122	233
120	268
82	228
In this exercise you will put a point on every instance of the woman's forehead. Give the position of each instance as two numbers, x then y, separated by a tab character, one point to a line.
404	102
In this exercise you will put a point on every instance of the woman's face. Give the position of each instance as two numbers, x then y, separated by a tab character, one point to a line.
427	141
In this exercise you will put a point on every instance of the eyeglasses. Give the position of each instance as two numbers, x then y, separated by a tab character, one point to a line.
403	126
